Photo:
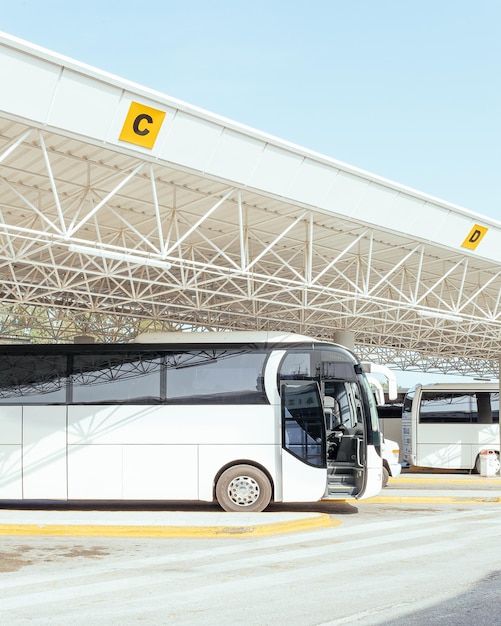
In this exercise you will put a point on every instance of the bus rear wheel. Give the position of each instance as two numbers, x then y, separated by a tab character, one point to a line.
497	465
243	488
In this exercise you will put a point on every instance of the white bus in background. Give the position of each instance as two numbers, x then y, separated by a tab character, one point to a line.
446	426
390	449
241	418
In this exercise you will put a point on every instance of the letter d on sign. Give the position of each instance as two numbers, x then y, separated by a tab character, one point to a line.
142	125
474	237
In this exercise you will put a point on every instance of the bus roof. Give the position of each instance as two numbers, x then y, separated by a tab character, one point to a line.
238	336
468	386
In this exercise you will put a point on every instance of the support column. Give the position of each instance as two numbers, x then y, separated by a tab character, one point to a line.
346	338
83	339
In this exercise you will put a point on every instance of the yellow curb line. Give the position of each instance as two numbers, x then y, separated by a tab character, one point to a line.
429	500
463	481
81	530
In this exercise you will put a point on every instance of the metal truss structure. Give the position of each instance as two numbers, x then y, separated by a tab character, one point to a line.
102	242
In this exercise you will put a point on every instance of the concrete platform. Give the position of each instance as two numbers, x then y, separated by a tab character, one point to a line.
420	487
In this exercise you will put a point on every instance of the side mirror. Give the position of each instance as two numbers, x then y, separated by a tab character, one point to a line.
378	390
375	368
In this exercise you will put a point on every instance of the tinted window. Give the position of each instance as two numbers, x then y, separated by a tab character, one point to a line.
407	407
216	376
317	364
132	377
303	422
347	402
33	379
459	407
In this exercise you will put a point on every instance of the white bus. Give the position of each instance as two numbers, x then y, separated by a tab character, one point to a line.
241	418
447	425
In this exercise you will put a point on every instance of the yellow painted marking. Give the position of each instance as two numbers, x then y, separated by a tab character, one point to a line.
142	125
90	530
440	481
474	237
430	500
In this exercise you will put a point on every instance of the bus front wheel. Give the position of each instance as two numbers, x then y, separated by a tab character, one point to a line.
386	477
243	488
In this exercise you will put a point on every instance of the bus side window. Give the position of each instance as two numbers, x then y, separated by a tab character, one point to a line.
332	413
484	409
303	422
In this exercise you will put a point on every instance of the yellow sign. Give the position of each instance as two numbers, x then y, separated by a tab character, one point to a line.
475	236
142	125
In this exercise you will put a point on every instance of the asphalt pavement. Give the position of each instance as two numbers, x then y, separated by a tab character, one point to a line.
207	521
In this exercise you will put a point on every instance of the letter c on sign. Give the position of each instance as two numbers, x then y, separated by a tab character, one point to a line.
142	125
138	120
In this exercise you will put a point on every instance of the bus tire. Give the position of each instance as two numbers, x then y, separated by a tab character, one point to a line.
477	468
386	477
243	488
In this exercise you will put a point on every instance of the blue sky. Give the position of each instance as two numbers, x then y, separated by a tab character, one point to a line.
408	90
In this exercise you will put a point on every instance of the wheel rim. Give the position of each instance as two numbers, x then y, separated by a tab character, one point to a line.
243	491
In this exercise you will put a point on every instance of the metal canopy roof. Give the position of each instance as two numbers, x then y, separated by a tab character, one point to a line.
218	226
